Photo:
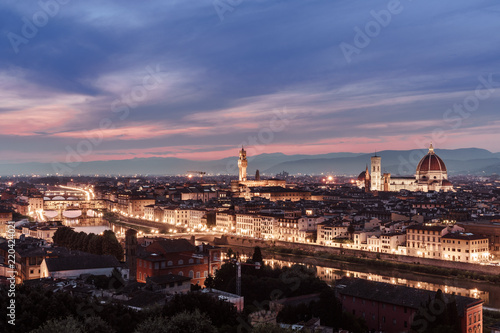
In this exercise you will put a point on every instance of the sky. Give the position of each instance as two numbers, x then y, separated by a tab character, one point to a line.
93	80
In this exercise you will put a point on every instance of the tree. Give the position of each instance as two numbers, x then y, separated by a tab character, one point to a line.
95	245
80	241
68	324
189	322
96	324
350	230
271	328
110	245
62	236
257	255
219	312
209	282
152	325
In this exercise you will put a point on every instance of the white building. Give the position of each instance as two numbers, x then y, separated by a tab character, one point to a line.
430	175
425	241
330	231
310	223
465	247
225	221
391	243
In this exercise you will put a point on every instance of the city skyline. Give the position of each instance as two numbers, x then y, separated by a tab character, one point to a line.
121	80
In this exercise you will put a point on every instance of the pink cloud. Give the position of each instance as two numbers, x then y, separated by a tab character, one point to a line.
27	122
137	132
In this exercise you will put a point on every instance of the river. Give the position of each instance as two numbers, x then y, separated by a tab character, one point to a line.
329	271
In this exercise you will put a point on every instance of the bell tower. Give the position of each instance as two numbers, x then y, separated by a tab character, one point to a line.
242	165
376	175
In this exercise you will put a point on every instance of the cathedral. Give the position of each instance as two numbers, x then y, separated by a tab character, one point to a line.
431	175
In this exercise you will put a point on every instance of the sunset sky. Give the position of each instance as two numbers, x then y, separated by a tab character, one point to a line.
198	79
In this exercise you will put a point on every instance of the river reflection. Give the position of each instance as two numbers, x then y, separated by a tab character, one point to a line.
88	225
330	274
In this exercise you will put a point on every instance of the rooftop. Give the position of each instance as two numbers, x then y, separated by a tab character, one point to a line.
394	294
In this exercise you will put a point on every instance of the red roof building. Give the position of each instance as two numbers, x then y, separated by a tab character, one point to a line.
178	257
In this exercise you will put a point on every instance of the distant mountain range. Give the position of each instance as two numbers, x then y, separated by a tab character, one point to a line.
472	161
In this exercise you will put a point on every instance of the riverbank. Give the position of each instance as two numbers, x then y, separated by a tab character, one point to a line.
417	268
427	265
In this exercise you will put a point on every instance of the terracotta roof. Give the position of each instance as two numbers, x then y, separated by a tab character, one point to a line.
431	162
466	236
394	294
174	245
426	227
87	261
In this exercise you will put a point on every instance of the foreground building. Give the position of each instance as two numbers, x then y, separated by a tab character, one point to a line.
392	309
178	257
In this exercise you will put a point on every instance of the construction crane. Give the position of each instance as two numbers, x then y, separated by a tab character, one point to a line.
201	173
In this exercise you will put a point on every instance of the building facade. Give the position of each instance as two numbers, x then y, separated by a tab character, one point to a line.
430	175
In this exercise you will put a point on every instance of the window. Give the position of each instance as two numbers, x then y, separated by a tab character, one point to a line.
150	265
191	261
180	273
191	274
180	262
197	275
170	263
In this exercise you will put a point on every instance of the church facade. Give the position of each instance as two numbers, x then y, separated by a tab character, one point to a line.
431	175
